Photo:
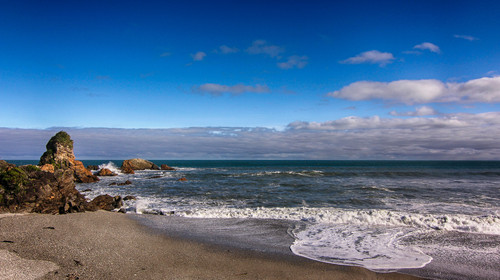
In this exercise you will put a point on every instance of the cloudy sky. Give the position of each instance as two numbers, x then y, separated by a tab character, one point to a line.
252	79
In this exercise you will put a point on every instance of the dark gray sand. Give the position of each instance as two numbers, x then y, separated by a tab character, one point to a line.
105	245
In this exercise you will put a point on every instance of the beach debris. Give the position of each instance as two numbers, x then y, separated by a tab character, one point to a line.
153	212
106	172
166	167
139	164
78	263
7	241
49	228
182	179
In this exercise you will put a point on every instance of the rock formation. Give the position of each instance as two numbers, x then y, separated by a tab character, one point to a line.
29	189
106	172
105	202
92	167
166	167
60	155
50	187
138	164
127	170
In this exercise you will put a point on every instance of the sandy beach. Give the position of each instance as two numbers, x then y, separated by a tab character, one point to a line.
106	245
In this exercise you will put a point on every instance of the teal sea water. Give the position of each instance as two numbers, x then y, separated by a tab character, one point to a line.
381	215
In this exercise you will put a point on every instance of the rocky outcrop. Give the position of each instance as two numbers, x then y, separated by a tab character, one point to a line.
29	189
50	187
60	155
138	164
166	167
105	202
5	165
106	172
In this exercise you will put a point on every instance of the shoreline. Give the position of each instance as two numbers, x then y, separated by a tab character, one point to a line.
106	245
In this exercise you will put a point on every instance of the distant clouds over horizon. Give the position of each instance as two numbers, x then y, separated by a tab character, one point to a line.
445	137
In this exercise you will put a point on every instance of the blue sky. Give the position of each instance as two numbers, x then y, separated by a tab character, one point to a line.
286	66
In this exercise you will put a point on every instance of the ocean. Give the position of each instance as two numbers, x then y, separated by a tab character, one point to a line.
437	219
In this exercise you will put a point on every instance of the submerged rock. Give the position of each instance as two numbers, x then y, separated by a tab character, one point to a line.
138	164
128	182
166	167
60	155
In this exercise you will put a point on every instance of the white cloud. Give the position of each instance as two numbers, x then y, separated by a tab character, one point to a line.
226	50
198	56
428	46
483	90
294	61
420	111
466	37
405	91
457	136
262	47
373	57
218	89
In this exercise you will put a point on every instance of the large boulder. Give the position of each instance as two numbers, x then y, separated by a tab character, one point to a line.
138	164
105	202
29	189
60	155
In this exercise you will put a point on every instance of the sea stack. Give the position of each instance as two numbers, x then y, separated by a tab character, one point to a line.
59	155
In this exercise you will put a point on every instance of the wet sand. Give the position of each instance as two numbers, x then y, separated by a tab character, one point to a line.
105	245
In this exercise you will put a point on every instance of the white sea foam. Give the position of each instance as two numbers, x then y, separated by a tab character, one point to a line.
375	248
111	166
304	173
368	238
487	224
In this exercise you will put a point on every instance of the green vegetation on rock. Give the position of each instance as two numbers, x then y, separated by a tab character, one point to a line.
14	179
62	138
